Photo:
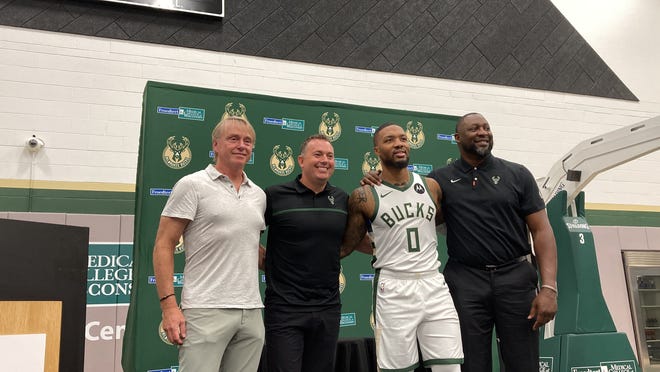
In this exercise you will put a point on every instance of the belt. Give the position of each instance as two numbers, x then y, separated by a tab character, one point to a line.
496	267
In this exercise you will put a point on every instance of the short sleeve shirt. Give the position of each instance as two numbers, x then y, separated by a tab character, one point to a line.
221	241
305	232
485	209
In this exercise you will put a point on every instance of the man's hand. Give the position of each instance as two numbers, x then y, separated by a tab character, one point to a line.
174	325
544	307
372	178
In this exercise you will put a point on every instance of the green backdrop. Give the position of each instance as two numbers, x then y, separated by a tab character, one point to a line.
175	140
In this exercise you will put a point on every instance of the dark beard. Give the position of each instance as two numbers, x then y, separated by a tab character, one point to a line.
398	164
479	151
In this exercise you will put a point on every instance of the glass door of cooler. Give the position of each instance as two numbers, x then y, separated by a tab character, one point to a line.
644	291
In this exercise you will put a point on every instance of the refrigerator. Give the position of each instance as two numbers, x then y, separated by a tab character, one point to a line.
643	279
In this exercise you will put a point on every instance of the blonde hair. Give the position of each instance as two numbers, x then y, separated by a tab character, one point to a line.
217	131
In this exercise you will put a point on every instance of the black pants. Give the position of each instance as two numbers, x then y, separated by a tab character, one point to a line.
500	298
299	341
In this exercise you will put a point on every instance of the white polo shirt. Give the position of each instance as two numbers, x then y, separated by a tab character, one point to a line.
221	241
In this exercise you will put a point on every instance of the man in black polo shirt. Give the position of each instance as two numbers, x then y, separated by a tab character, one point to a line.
306	219
489	204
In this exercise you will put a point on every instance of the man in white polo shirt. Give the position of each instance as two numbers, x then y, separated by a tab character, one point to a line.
220	213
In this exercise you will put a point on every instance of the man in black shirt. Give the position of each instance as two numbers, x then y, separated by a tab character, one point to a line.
306	219
489	204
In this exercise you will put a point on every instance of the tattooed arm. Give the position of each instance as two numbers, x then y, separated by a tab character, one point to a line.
360	207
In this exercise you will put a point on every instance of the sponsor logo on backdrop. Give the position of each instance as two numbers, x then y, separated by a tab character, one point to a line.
177	154
586	369
281	162
366	277
109	273
372	321
273	121
159	192
167	110
162	334
422	169
191	113
545	364
367	130
347	320
286	123
232	109
415	134
371	163
179	248
171	369
342	280
341	163
446	137
330	126
186	113
177	279
293	124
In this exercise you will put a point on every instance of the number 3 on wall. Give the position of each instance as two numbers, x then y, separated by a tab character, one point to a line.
581	235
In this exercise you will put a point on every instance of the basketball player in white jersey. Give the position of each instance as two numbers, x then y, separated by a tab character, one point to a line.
412	304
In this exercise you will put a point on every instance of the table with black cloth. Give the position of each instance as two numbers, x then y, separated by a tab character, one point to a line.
353	355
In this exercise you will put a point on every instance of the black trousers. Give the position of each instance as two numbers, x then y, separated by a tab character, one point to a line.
301	341
501	298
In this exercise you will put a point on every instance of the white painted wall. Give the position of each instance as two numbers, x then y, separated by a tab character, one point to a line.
82	96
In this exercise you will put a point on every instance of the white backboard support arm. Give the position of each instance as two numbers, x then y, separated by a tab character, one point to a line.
598	154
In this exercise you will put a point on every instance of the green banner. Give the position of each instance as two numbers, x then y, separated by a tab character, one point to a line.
175	140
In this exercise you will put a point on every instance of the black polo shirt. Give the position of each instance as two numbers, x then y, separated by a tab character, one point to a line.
305	231
485	209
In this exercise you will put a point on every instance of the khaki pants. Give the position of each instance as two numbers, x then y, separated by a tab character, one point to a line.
225	340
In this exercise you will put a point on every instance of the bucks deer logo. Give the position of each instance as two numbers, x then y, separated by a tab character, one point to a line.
162	334
281	162
415	134
234	110
371	163
342	280
330	126
177	154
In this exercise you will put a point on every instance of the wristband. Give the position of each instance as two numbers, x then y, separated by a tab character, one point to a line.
548	286
166	297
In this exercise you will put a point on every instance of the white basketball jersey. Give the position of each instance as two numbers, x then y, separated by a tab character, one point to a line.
403	227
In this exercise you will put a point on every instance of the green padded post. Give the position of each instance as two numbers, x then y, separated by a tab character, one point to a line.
584	338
